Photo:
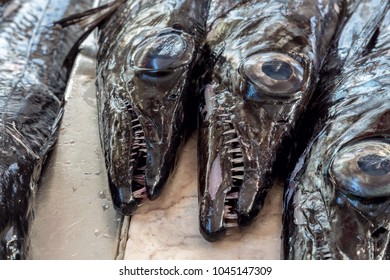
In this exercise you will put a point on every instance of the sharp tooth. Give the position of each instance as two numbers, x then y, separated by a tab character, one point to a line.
227	190
231	224
230	216
238	160
232	195
229	131
143	150
142	168
140	144
135	120
235	140
239	168
238	177
237	150
140	179
133	154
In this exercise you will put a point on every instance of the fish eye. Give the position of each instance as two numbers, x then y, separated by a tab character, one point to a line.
272	74
163	52
363	169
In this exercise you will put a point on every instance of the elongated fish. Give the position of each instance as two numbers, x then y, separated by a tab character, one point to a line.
32	83
337	202
268	54
147	52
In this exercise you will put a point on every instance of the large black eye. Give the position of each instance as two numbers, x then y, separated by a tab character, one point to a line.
363	169
163	52
273	74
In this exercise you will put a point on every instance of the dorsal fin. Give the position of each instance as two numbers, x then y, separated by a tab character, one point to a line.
89	19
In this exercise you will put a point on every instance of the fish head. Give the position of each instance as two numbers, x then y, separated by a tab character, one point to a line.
247	112
337	204
153	95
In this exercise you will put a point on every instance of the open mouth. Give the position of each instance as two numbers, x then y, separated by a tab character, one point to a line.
235	156
138	158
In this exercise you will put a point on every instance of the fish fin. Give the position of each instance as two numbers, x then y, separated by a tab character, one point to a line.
100	12
89	19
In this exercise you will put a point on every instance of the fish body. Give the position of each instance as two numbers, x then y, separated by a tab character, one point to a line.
32	84
267	59
337	204
147	52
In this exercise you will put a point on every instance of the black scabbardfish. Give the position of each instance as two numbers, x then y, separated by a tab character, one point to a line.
147	53
337	204
32	83
267	58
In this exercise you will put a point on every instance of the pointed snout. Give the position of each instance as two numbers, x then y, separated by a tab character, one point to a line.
211	218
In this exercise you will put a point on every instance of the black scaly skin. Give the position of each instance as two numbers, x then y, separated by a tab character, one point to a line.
32	83
337	204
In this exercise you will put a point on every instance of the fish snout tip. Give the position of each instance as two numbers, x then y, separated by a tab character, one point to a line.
125	202
128	208
211	221
154	188
250	203
159	170
211	234
246	218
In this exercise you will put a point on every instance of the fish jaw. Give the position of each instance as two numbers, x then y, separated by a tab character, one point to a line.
236	155
141	158
146	113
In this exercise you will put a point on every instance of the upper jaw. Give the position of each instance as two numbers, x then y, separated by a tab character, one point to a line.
151	158
151	141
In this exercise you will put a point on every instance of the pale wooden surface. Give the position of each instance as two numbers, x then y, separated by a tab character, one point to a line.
75	218
167	228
